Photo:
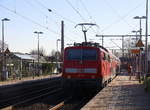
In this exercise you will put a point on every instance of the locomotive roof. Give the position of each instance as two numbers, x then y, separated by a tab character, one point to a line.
90	44
97	45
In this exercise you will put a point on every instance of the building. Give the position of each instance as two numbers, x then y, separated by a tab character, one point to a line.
5	46
20	65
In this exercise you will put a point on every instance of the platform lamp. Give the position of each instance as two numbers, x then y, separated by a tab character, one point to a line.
38	33
57	53
3	51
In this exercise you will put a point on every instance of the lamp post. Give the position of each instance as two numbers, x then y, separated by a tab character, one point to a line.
38	33
138	17
57	54
136	33
140	56
146	39
3	54
135	63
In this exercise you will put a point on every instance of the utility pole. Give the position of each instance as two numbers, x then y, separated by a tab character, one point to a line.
57	57
146	39
3	51
38	50
122	46
103	36
140	54
62	39
84	29
136	33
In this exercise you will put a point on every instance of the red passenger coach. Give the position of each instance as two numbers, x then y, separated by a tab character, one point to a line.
88	64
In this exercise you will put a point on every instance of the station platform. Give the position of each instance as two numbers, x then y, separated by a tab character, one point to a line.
121	94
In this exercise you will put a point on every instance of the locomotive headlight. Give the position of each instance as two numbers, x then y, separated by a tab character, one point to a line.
92	77
68	76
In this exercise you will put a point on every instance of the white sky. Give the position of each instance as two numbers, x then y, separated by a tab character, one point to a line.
27	16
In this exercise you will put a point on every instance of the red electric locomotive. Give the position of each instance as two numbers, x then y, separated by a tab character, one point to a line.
88	64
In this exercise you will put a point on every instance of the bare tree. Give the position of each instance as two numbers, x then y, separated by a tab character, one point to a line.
41	52
54	55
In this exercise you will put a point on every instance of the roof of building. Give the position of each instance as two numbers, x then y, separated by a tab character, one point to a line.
25	56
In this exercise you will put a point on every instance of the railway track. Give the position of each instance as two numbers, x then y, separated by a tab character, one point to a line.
57	100
50	98
60	105
71	104
29	93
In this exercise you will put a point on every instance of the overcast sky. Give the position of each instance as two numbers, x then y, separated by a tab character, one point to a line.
111	16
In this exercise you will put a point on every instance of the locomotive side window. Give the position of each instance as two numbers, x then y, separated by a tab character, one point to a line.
105	57
108	58
82	54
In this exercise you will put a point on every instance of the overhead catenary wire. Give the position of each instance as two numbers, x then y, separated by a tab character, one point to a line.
57	14
90	16
84	6
41	12
80	15
34	22
78	12
71	5
47	16
123	17
54	12
32	5
116	12
28	19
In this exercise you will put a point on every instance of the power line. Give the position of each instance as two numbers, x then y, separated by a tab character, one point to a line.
116	12
123	17
78	11
54	12
29	3
43	13
84	6
28	19
90	16
75	10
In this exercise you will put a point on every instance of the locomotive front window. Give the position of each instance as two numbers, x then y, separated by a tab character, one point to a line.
81	54
74	54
